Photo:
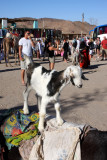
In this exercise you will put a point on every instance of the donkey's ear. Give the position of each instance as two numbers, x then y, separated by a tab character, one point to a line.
83	77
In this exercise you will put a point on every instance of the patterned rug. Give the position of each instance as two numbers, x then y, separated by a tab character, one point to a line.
18	127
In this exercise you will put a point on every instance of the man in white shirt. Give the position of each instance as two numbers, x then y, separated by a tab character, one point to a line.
25	47
78	45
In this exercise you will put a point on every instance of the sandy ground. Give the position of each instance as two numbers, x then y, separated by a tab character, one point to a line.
86	105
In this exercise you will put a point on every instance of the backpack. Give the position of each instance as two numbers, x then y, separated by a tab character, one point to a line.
92	46
74	44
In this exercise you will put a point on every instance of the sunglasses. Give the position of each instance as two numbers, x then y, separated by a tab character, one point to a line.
28	33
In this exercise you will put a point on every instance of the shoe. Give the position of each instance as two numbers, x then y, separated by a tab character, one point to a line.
102	59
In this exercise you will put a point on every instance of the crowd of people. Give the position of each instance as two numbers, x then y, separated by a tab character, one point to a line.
83	48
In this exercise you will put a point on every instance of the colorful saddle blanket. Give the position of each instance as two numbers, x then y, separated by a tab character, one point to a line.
18	127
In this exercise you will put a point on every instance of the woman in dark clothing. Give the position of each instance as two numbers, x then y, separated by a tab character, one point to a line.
91	48
50	50
66	49
84	54
98	44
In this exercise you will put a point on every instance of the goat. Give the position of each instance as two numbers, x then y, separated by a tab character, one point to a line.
48	85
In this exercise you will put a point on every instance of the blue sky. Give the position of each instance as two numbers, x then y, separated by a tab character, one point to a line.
95	11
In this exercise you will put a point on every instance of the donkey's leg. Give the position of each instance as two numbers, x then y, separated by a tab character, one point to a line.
15	52
25	95
5	55
58	115
4	49
8	54
18	57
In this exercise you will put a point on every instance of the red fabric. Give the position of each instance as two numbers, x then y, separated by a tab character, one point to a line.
105	29
16	132
15	34
100	31
104	43
85	62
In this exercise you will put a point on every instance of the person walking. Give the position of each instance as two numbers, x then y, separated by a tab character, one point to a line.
50	50
45	49
91	48
104	48
78	45
98	43
66	49
84	52
1	44
25	47
74	45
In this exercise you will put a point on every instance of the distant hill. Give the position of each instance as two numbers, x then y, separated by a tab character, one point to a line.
67	27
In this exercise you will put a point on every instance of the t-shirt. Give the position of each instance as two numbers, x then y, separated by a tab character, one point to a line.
51	53
26	46
104	43
66	47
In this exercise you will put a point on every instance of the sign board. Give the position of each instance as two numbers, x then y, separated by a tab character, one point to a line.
35	24
4	23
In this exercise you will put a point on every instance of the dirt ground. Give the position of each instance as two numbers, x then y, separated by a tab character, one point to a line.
87	105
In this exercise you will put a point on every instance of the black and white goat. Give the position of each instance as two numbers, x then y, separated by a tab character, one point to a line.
48	85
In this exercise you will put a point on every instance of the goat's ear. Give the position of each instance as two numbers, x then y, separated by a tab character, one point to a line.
83	77
71	72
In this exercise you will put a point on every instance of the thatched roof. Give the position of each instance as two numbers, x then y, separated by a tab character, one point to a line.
24	19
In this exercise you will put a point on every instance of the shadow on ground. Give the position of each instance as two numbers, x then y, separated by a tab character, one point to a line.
8	70
79	101
96	65
67	105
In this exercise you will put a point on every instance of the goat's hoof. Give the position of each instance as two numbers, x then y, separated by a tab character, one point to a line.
41	129
60	122
26	111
